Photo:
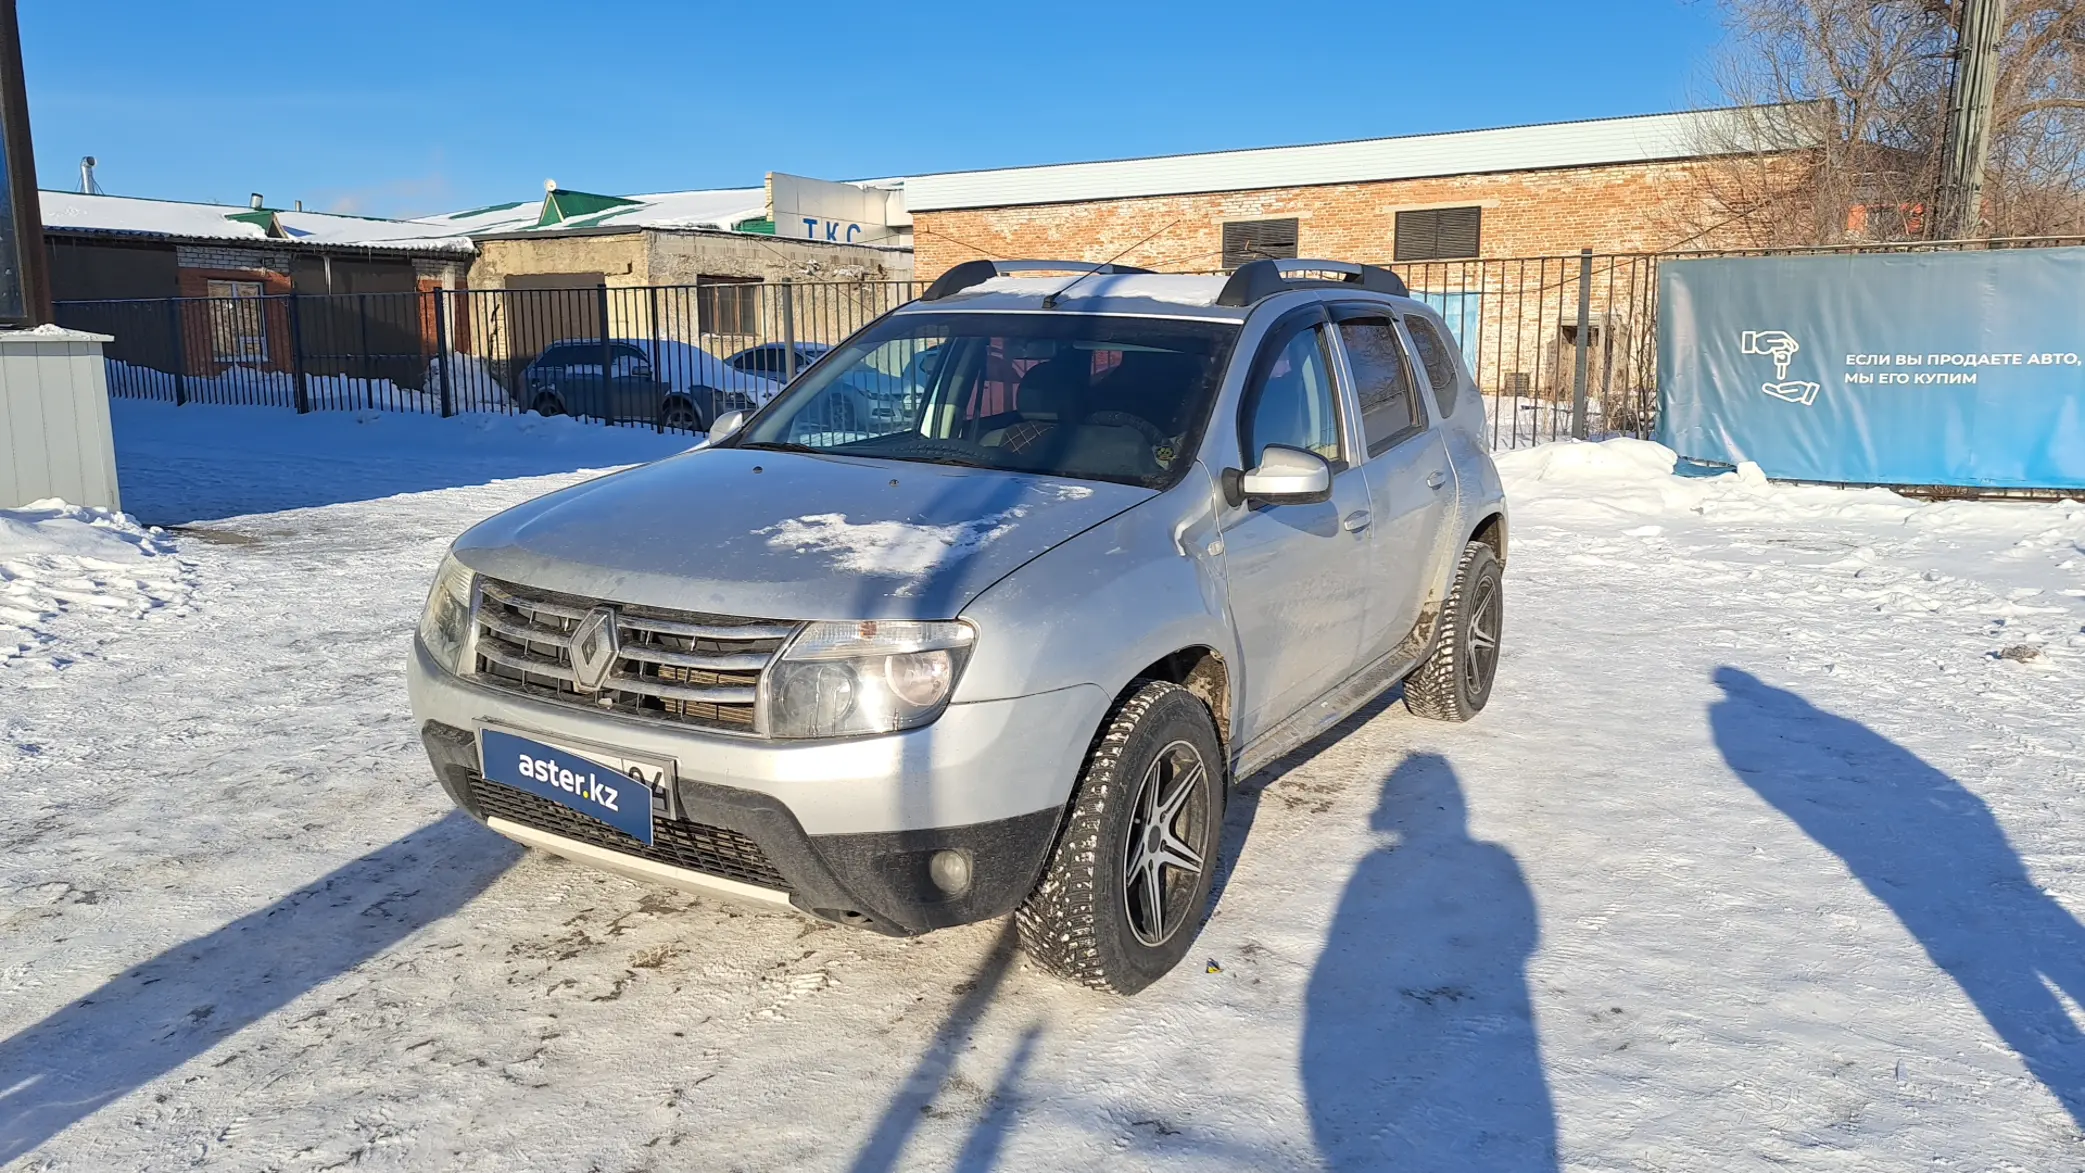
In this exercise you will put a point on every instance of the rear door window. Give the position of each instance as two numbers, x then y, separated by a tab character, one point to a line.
1437	354
1390	410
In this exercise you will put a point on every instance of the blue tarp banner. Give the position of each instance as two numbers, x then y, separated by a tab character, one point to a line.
1957	368
1463	312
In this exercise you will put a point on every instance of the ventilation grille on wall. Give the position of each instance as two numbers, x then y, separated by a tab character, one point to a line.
1254	240
1438	234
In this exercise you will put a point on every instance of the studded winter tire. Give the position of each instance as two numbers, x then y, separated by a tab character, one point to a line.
1455	681
1129	878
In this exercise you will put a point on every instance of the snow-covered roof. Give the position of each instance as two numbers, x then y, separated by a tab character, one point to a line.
721	209
1518	148
1172	288
132	216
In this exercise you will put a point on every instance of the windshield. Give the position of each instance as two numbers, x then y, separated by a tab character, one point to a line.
1069	395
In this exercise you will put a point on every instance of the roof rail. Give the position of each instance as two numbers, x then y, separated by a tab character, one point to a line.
1254	280
971	273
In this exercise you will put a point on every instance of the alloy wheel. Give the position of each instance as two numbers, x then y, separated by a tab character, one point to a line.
1169	842
1481	639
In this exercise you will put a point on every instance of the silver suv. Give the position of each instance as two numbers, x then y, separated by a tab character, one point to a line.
1131	537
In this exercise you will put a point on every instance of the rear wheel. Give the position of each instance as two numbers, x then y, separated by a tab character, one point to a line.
1130	875
1455	681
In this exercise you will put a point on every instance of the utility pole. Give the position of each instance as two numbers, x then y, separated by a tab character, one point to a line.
25	280
1959	211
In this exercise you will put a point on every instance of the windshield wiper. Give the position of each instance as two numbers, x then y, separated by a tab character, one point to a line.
779	446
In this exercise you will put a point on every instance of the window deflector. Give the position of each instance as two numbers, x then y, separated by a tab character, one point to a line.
1276	340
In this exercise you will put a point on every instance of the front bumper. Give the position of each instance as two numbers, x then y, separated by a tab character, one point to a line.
846	827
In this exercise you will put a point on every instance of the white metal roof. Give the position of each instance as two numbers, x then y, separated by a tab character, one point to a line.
128	215
1518	148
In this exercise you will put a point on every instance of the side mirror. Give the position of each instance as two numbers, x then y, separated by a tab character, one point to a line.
724	425
1286	476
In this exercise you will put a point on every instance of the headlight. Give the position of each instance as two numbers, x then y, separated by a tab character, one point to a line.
445	626
876	676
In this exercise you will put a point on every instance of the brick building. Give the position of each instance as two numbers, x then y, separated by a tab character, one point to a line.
1485	225
1612	185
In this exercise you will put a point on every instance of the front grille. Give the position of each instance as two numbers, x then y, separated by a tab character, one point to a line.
713	851
673	665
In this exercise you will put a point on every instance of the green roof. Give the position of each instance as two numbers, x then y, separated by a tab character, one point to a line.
261	218
561	205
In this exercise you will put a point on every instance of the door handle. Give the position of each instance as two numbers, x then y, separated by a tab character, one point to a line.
1436	479
1356	521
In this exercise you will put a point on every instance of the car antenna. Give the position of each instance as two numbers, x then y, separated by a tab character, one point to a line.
1049	301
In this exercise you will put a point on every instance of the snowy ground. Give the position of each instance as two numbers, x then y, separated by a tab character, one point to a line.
1770	860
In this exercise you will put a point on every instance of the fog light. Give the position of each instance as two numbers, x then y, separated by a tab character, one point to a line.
950	871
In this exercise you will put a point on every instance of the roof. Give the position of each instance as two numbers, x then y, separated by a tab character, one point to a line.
563	209
108	215
1149	294
1643	138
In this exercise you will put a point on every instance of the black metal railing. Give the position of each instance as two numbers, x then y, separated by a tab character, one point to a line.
662	356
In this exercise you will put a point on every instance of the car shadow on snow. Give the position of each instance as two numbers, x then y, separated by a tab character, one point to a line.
154	1017
1933	853
1419	1043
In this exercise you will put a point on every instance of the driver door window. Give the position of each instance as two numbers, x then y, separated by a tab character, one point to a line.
1294	401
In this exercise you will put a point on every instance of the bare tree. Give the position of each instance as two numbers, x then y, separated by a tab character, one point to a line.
1840	118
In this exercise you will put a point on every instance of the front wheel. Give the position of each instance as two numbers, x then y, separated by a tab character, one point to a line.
547	404
1455	681
1130	875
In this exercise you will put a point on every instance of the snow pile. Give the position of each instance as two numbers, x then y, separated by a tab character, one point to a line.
55	557
475	389
2018	565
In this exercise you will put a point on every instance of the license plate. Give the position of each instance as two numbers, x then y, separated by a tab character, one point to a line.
597	782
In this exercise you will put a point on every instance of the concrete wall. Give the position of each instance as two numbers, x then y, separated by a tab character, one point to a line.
55	439
679	257
1623	208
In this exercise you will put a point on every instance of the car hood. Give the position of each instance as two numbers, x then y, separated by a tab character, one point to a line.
784	535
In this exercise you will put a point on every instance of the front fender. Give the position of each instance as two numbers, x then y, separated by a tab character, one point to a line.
1104	605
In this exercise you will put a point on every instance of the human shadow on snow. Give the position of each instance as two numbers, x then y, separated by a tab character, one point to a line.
156	1016
1419	1042
1932	852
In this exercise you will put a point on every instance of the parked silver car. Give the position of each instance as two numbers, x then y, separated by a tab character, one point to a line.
1136	537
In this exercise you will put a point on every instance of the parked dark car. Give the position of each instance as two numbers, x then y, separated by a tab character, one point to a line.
673	385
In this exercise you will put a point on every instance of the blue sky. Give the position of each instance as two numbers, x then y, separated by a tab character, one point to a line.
390	108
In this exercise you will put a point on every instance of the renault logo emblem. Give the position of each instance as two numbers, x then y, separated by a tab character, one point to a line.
594	649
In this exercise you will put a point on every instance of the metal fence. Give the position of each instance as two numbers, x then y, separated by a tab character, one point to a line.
676	356
660	356
1560	346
